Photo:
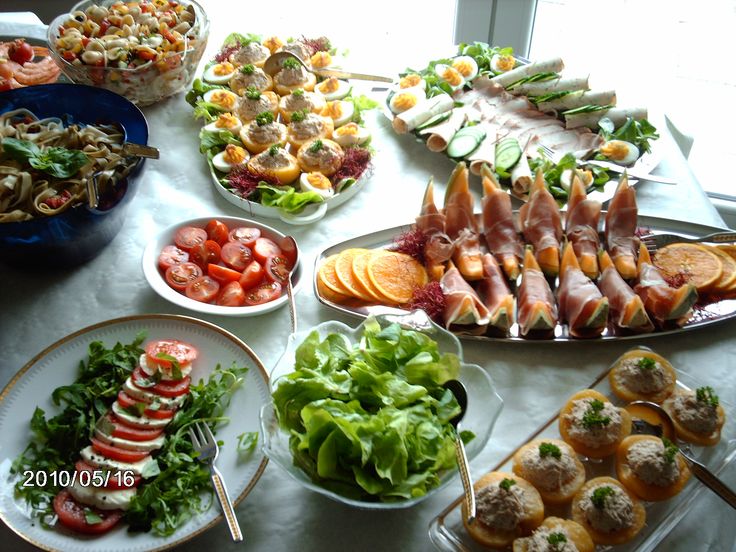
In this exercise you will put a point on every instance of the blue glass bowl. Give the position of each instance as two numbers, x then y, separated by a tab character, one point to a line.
79	233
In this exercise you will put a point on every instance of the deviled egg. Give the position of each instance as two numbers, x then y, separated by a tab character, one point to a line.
412	80
230	158
403	100
219	73
340	111
321	59
466	66
226	121
333	89
223	99
500	63
351	134
316	182
620	152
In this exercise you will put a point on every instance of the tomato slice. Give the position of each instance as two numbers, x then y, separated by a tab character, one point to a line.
246	236
72	515
232	295
265	248
236	255
126	401
184	353
217	231
113	482
278	269
203	289
165	388
170	256
189	236
263	293
123	431
179	276
116	453
205	253
252	275
223	274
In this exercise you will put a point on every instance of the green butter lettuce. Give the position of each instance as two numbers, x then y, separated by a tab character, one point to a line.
370	420
286	198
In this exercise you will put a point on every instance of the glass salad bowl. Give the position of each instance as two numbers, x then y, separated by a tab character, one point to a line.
484	406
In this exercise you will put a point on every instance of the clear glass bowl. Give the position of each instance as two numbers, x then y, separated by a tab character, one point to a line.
142	85
484	404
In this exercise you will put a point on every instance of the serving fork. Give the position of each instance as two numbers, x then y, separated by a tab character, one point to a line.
656	241
205	444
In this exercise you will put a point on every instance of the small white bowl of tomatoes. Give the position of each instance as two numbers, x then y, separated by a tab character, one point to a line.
222	265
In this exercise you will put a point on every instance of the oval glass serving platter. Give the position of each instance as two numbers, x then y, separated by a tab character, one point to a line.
703	315
58	365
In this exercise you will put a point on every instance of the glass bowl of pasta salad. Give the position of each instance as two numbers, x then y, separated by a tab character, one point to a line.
145	50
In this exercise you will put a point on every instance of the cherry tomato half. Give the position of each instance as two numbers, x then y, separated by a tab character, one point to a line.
184	353
20	51
223	274
205	253
278	269
263	293
171	255
265	248
217	231
236	255
189	236
252	275
232	295
179	276
244	235
73	515
203	289
116	453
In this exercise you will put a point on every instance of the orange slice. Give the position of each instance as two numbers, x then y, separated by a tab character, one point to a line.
360	271
328	277
345	275
327	293
727	281
396	276
699	266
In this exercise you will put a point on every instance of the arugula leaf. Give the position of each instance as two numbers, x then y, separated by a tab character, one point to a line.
247	443
56	161
638	133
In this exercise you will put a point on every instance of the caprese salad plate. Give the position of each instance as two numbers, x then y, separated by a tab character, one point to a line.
220	357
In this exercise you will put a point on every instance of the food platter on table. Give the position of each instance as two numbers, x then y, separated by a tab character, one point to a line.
34	66
485	105
58	365
284	145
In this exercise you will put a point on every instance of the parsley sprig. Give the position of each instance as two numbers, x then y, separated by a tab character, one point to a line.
707	395
549	449
646	363
592	417
507	483
670	450
598	498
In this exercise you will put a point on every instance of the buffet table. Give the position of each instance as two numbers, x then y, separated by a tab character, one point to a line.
534	379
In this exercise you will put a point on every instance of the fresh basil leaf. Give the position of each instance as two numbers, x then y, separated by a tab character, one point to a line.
135	409
91	517
151	469
20	150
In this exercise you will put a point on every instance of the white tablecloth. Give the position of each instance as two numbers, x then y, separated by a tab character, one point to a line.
534	379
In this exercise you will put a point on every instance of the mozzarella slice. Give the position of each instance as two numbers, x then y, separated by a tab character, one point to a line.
96	459
143	422
141	446
168	403
152	368
104	499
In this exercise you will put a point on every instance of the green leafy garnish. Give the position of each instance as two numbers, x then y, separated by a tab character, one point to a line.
247	442
361	103
135	409
553	172
638	133
252	93
549	449
592	417
707	395
175	367
299	116
274	150
316	146
555	539
265	118
243	40
91	517
598	498
507	483
291	63
670	450
56	161
646	363
286	198
370	420
213	142
298	92
248	69
199	88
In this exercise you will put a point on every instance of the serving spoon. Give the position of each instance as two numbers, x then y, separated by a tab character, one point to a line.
291	251
667	427
274	63
457	388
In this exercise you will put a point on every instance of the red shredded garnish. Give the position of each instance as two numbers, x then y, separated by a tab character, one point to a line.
412	242
675	280
245	181
357	161
431	300
57	201
226	52
314	45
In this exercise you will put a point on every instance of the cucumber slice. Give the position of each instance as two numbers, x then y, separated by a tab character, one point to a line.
435	120
508	153
465	141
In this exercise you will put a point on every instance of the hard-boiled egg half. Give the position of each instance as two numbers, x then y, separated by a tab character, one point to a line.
219	73
412	80
620	152
450	75
226	121
224	99
340	111
500	63
316	182
466	66
333	89
567	175
405	99
230	158
351	134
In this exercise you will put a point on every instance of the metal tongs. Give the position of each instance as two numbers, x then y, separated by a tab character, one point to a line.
118	172
275	62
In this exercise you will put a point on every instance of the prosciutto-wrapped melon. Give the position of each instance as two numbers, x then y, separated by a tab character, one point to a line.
461	225
496	295
626	307
463	306
581	303
620	230
542	226
499	228
581	227
438	248
536	307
